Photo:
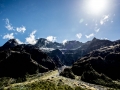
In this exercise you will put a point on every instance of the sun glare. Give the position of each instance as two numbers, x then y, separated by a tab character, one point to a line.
96	6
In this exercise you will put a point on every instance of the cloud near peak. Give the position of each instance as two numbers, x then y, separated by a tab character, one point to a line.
65	41
19	41
79	35
8	36
21	29
89	36
51	38
31	39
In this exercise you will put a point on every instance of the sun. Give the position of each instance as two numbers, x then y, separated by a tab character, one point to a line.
96	6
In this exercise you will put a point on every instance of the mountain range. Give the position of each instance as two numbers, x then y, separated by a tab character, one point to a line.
45	55
65	54
95	61
71	51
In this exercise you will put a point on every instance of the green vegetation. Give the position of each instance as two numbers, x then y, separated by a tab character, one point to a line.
44	85
51	81
6	81
46	81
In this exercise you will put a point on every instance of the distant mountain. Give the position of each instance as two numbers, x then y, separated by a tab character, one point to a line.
59	50
72	45
69	56
65	58
44	43
92	45
67	53
96	44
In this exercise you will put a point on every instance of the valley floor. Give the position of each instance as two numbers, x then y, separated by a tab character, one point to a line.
53	77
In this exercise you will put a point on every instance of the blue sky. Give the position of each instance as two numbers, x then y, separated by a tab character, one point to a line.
58	20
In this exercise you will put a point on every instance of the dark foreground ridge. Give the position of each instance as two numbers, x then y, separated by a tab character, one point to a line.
19	60
100	66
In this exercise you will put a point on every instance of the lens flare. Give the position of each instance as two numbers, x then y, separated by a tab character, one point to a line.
96	6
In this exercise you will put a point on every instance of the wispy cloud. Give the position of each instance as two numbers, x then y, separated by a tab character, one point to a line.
31	39
104	19
19	41
21	29
97	30
8	36
51	38
89	36
8	25
64	41
79	35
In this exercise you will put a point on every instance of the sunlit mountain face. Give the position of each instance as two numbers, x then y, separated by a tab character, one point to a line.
59	20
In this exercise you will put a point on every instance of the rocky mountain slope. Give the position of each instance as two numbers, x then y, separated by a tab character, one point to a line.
104	60
19	60
100	66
